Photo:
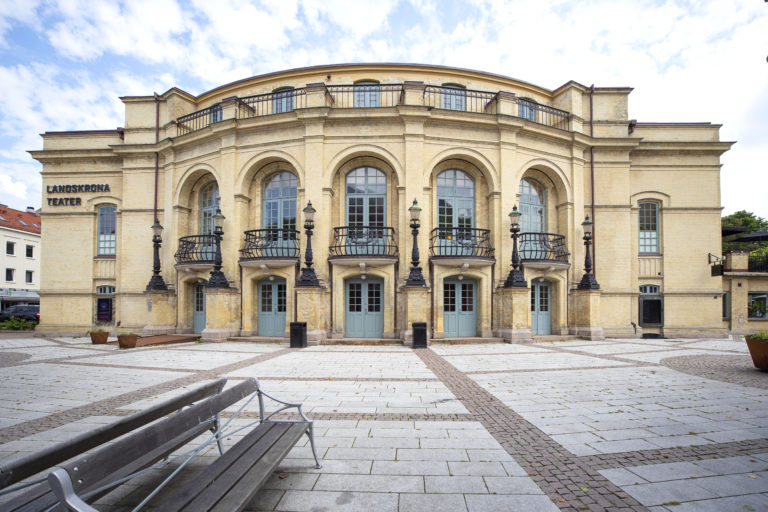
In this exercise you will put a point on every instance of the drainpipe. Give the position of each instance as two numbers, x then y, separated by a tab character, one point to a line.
592	176
157	155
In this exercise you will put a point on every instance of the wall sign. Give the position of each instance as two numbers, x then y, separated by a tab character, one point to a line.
72	189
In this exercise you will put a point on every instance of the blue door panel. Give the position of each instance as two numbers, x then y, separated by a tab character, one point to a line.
541	306
272	307
198	308
459	307
364	308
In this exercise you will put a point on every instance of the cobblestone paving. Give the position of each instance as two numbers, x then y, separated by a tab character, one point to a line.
621	425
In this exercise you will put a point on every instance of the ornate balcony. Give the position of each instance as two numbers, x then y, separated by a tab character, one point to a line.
462	246
270	247
543	250
196	251
353	245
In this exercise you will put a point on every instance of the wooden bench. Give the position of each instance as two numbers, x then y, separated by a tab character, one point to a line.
40	496
227	484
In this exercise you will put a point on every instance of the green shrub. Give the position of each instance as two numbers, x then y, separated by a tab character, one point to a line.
759	335
17	324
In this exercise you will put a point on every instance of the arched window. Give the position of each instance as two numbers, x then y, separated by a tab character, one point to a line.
366	94
282	100
366	197
454	97
280	202
533	206
106	243
209	201
455	199
526	108
648	242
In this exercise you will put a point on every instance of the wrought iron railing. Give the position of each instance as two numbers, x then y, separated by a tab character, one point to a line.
461	242
757	264
271	103
196	249
543	247
363	241
717	269
198	120
366	95
455	98
270	243
543	114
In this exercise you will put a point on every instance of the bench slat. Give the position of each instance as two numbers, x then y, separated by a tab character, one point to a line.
23	467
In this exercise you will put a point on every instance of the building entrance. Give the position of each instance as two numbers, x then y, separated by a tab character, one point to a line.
459	307
541	316
272	307
198	307
364	312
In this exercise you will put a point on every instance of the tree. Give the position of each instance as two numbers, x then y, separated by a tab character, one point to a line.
750	221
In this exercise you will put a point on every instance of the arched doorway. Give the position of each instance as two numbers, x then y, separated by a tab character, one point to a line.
541	307
455	213
272	306
364	317
459	307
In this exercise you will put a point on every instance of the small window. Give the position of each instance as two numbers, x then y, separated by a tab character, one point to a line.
215	115
454	97
106	244
726	305
105	290
366	94
650	289
10	248
29	277
9	275
38	227
527	109
3	219
649	228
282	101
30	251
651	306
757	305
21	222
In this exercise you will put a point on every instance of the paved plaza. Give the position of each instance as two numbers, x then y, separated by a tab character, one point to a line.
619	425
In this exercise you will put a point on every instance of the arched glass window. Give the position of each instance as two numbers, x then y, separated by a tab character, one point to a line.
648	242
366	197
526	108
533	206
106	244
280	202
209	201
282	100
454	97
366	94
455	199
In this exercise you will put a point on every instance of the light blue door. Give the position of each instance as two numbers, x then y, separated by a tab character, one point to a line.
455	213
364	308
541	305
272	307
198	307
459	307
366	192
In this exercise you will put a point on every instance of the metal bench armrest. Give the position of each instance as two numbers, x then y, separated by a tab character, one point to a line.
61	485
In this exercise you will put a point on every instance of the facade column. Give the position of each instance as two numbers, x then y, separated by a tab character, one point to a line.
222	314
415	308
513	314
585	315
161	313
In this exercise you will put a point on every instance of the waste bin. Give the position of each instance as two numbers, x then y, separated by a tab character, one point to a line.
298	334
419	334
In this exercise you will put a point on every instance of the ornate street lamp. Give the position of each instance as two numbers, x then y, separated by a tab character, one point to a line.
515	279
308	276
588	281
415	277
156	283
218	279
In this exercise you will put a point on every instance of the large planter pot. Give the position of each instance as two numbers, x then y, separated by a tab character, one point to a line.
758	349
127	340
99	338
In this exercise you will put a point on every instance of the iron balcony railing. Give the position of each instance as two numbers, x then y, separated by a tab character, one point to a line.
455	98
543	114
270	243
198	120
271	103
717	269
461	242
366	95
363	241
543	247
757	264
196	249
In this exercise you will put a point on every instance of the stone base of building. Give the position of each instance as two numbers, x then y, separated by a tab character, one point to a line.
515	335
155	330
687	332
316	336
588	333
218	335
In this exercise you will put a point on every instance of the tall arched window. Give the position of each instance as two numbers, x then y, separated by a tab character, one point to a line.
106	244
366	191
648	242
454	97
455	199
533	206
280	203
209	201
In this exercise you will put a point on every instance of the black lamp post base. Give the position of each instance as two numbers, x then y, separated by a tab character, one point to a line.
415	278
588	282
515	279
157	284
217	280
308	278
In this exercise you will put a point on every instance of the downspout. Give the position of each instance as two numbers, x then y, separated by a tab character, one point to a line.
157	155
592	177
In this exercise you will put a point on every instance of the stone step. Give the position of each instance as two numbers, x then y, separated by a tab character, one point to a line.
556	337
467	340
259	339
362	341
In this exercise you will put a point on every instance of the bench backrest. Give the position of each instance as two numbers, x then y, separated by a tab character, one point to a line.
28	465
93	468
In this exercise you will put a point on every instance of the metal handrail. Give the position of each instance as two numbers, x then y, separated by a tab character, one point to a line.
543	247
270	243
277	102
454	98
363	241
543	114
366	95
198	120
461	242
757	264
196	249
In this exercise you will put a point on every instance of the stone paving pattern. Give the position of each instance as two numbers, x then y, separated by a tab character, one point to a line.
620	425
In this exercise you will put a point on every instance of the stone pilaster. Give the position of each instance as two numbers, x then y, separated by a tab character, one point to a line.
222	314
312	307
586	315
513	314
415	300
161	313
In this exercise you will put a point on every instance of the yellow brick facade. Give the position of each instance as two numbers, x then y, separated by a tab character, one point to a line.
576	143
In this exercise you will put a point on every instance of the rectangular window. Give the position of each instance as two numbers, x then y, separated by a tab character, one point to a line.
30	251
366	94
651	311
454	98
9	275
757	305
527	109
106	244
29	277
10	248
282	101
649	228
726	305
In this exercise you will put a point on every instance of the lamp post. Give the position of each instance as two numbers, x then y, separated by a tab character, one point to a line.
515	279
588	281
308	276
156	282
415	277
217	279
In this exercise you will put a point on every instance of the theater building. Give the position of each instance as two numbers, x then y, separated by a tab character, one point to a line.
361	143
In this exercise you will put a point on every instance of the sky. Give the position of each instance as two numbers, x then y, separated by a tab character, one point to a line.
64	64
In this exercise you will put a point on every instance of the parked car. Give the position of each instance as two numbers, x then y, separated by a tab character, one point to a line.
30	313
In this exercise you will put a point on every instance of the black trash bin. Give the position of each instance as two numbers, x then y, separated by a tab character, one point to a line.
419	334
298	334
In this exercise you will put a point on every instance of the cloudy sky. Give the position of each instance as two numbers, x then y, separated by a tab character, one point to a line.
64	63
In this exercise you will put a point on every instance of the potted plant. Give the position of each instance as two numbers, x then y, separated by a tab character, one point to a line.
127	339
758	348
98	336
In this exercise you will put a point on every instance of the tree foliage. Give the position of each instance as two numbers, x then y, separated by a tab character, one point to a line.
750	221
